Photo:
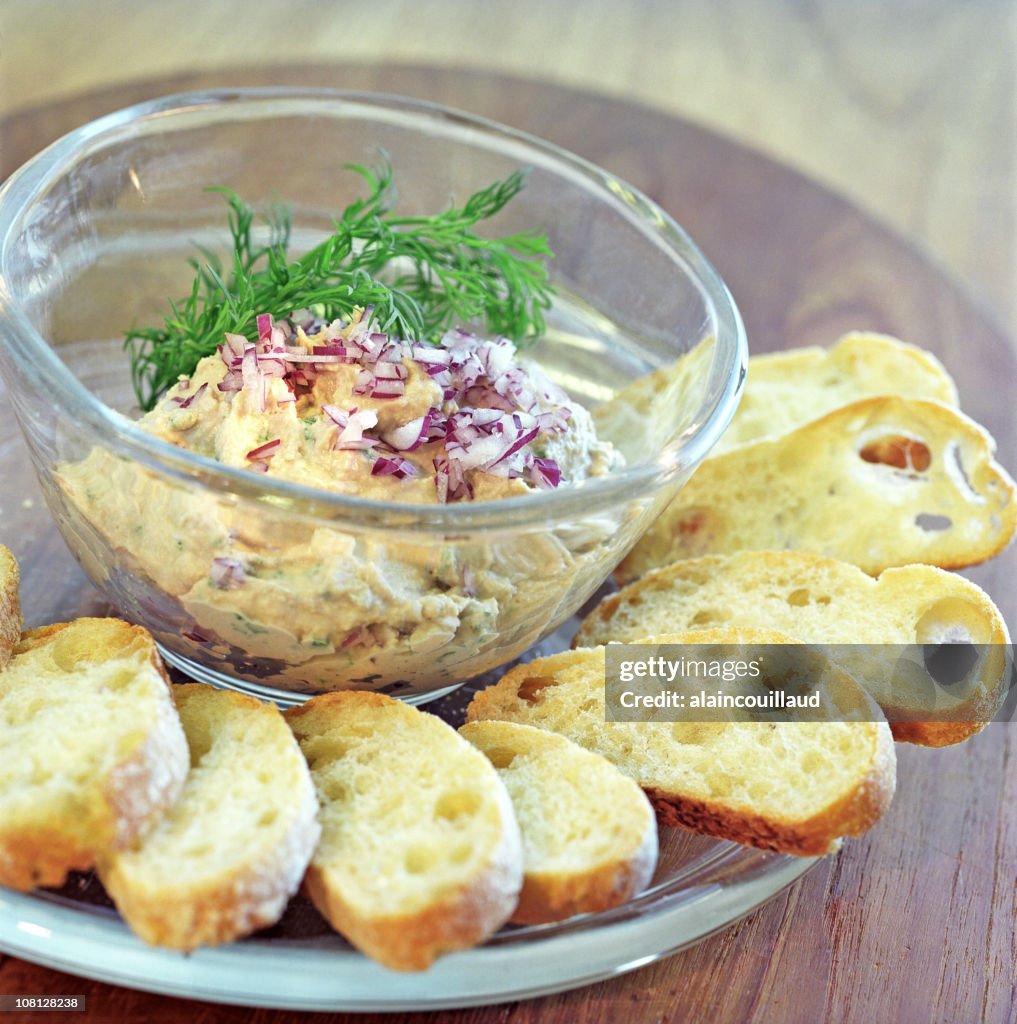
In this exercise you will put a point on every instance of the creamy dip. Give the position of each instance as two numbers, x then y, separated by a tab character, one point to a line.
343	407
348	408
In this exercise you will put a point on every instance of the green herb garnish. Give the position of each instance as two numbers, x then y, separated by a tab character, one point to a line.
422	275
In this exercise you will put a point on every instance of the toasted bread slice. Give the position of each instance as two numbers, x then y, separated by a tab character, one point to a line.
589	834
783	390
881	482
420	852
228	855
646	413
793	787
10	605
825	601
92	748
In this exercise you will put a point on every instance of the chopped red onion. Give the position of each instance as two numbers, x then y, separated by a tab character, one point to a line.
266	450
359	636
450	481
186	402
236	343
400	468
545	473
264	322
249	370
412	435
524	438
331	350
388	389
390	371
227	573
352	425
494	409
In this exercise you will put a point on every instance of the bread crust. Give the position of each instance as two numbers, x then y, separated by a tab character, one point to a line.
462	918
854	814
553	897
11	620
40	856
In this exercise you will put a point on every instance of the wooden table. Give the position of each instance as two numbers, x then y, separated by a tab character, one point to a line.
915	922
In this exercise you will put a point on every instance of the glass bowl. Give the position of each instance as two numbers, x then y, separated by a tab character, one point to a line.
340	591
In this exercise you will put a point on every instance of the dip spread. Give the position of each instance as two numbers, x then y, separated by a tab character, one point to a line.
345	407
342	406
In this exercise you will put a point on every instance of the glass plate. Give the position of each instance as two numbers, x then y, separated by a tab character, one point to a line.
700	887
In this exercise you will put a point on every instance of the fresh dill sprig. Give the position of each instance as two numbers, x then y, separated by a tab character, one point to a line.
422	275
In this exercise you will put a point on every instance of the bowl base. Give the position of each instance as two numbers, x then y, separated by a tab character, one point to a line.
281	698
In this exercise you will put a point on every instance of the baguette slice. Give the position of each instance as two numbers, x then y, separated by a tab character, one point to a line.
225	859
420	852
92	748
589	834
784	390
793	787
10	606
879	483
824	601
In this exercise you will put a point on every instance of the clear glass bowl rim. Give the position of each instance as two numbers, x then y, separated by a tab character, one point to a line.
121	435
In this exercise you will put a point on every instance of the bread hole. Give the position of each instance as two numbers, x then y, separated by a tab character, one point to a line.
953	620
455	803
798	598
199	739
418	859
530	687
322	750
899	451
334	790
121	679
500	757
268	818
74	647
950	663
823	599
697	734
719	786
958	474
932	523
689	524
332	748
813	762
706	617
460	854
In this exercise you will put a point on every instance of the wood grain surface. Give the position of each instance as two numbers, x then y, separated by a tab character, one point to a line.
915	922
908	109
